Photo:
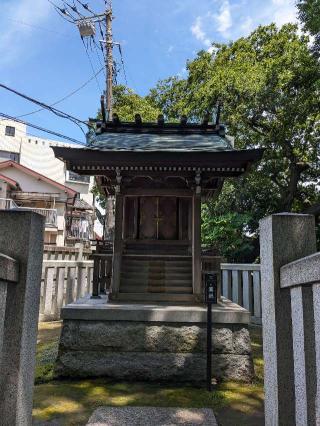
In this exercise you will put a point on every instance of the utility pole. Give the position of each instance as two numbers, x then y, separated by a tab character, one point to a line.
87	28
109	62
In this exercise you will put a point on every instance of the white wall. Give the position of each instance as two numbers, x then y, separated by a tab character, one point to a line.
37	154
30	183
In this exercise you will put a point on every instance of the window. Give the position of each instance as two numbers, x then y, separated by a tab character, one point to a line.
10	131
74	177
7	155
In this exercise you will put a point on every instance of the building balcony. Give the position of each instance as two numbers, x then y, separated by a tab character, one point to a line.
51	216
51	220
7	204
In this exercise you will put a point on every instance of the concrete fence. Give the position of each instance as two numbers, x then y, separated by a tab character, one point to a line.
21	251
63	282
241	284
290	274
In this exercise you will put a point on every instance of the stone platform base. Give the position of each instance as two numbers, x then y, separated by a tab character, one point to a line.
153	342
150	416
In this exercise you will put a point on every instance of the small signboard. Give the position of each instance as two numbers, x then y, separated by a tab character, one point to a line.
211	287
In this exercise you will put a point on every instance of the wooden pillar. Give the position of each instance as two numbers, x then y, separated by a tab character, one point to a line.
196	246
117	246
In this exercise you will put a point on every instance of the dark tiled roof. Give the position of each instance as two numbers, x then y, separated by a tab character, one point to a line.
142	142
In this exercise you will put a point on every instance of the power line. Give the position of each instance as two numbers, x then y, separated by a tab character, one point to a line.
22	132
27	24
66	96
91	64
86	6
64	13
42	129
45	106
97	52
123	66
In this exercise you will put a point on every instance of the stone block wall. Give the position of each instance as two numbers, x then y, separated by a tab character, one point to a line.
153	351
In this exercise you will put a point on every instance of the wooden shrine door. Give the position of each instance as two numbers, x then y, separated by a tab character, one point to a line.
158	218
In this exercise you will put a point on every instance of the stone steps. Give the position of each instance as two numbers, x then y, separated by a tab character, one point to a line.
155	297
156	289
155	279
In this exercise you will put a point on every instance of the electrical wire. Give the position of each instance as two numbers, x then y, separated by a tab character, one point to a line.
91	64
66	96
98	53
123	65
86	7
23	132
27	24
63	13
45	106
42	129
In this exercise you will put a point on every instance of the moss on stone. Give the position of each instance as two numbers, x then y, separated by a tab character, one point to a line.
70	402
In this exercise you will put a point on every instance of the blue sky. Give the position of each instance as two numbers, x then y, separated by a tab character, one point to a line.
43	56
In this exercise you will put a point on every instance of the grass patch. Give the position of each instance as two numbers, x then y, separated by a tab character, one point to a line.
73	402
70	402
47	351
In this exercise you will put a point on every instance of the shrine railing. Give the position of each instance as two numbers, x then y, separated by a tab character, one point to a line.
241	283
63	282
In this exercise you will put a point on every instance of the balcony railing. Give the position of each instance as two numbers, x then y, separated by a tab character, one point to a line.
49	214
7	204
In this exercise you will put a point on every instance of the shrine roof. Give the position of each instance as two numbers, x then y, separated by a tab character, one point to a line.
179	147
172	139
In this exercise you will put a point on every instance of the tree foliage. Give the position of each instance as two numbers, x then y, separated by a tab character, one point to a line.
126	103
309	14
269	83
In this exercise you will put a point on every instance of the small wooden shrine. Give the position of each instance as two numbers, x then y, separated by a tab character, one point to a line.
158	173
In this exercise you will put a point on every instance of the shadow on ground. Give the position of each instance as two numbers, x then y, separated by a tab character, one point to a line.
72	402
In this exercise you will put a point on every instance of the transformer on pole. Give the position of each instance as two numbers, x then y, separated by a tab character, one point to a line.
87	29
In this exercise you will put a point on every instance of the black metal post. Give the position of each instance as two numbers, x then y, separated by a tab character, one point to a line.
211	297
96	279
209	346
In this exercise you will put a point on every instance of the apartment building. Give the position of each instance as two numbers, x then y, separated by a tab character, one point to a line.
41	182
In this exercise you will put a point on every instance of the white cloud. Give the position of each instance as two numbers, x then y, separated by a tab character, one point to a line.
229	20
14	34
182	73
247	26
224	18
199	33
204	26
284	11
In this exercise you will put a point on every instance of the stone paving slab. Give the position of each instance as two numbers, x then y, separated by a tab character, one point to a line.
225	312
150	416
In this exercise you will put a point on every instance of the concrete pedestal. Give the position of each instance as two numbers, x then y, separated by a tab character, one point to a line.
153	342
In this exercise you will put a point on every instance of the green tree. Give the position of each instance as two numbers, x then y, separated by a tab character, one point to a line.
126	103
309	14
269	83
